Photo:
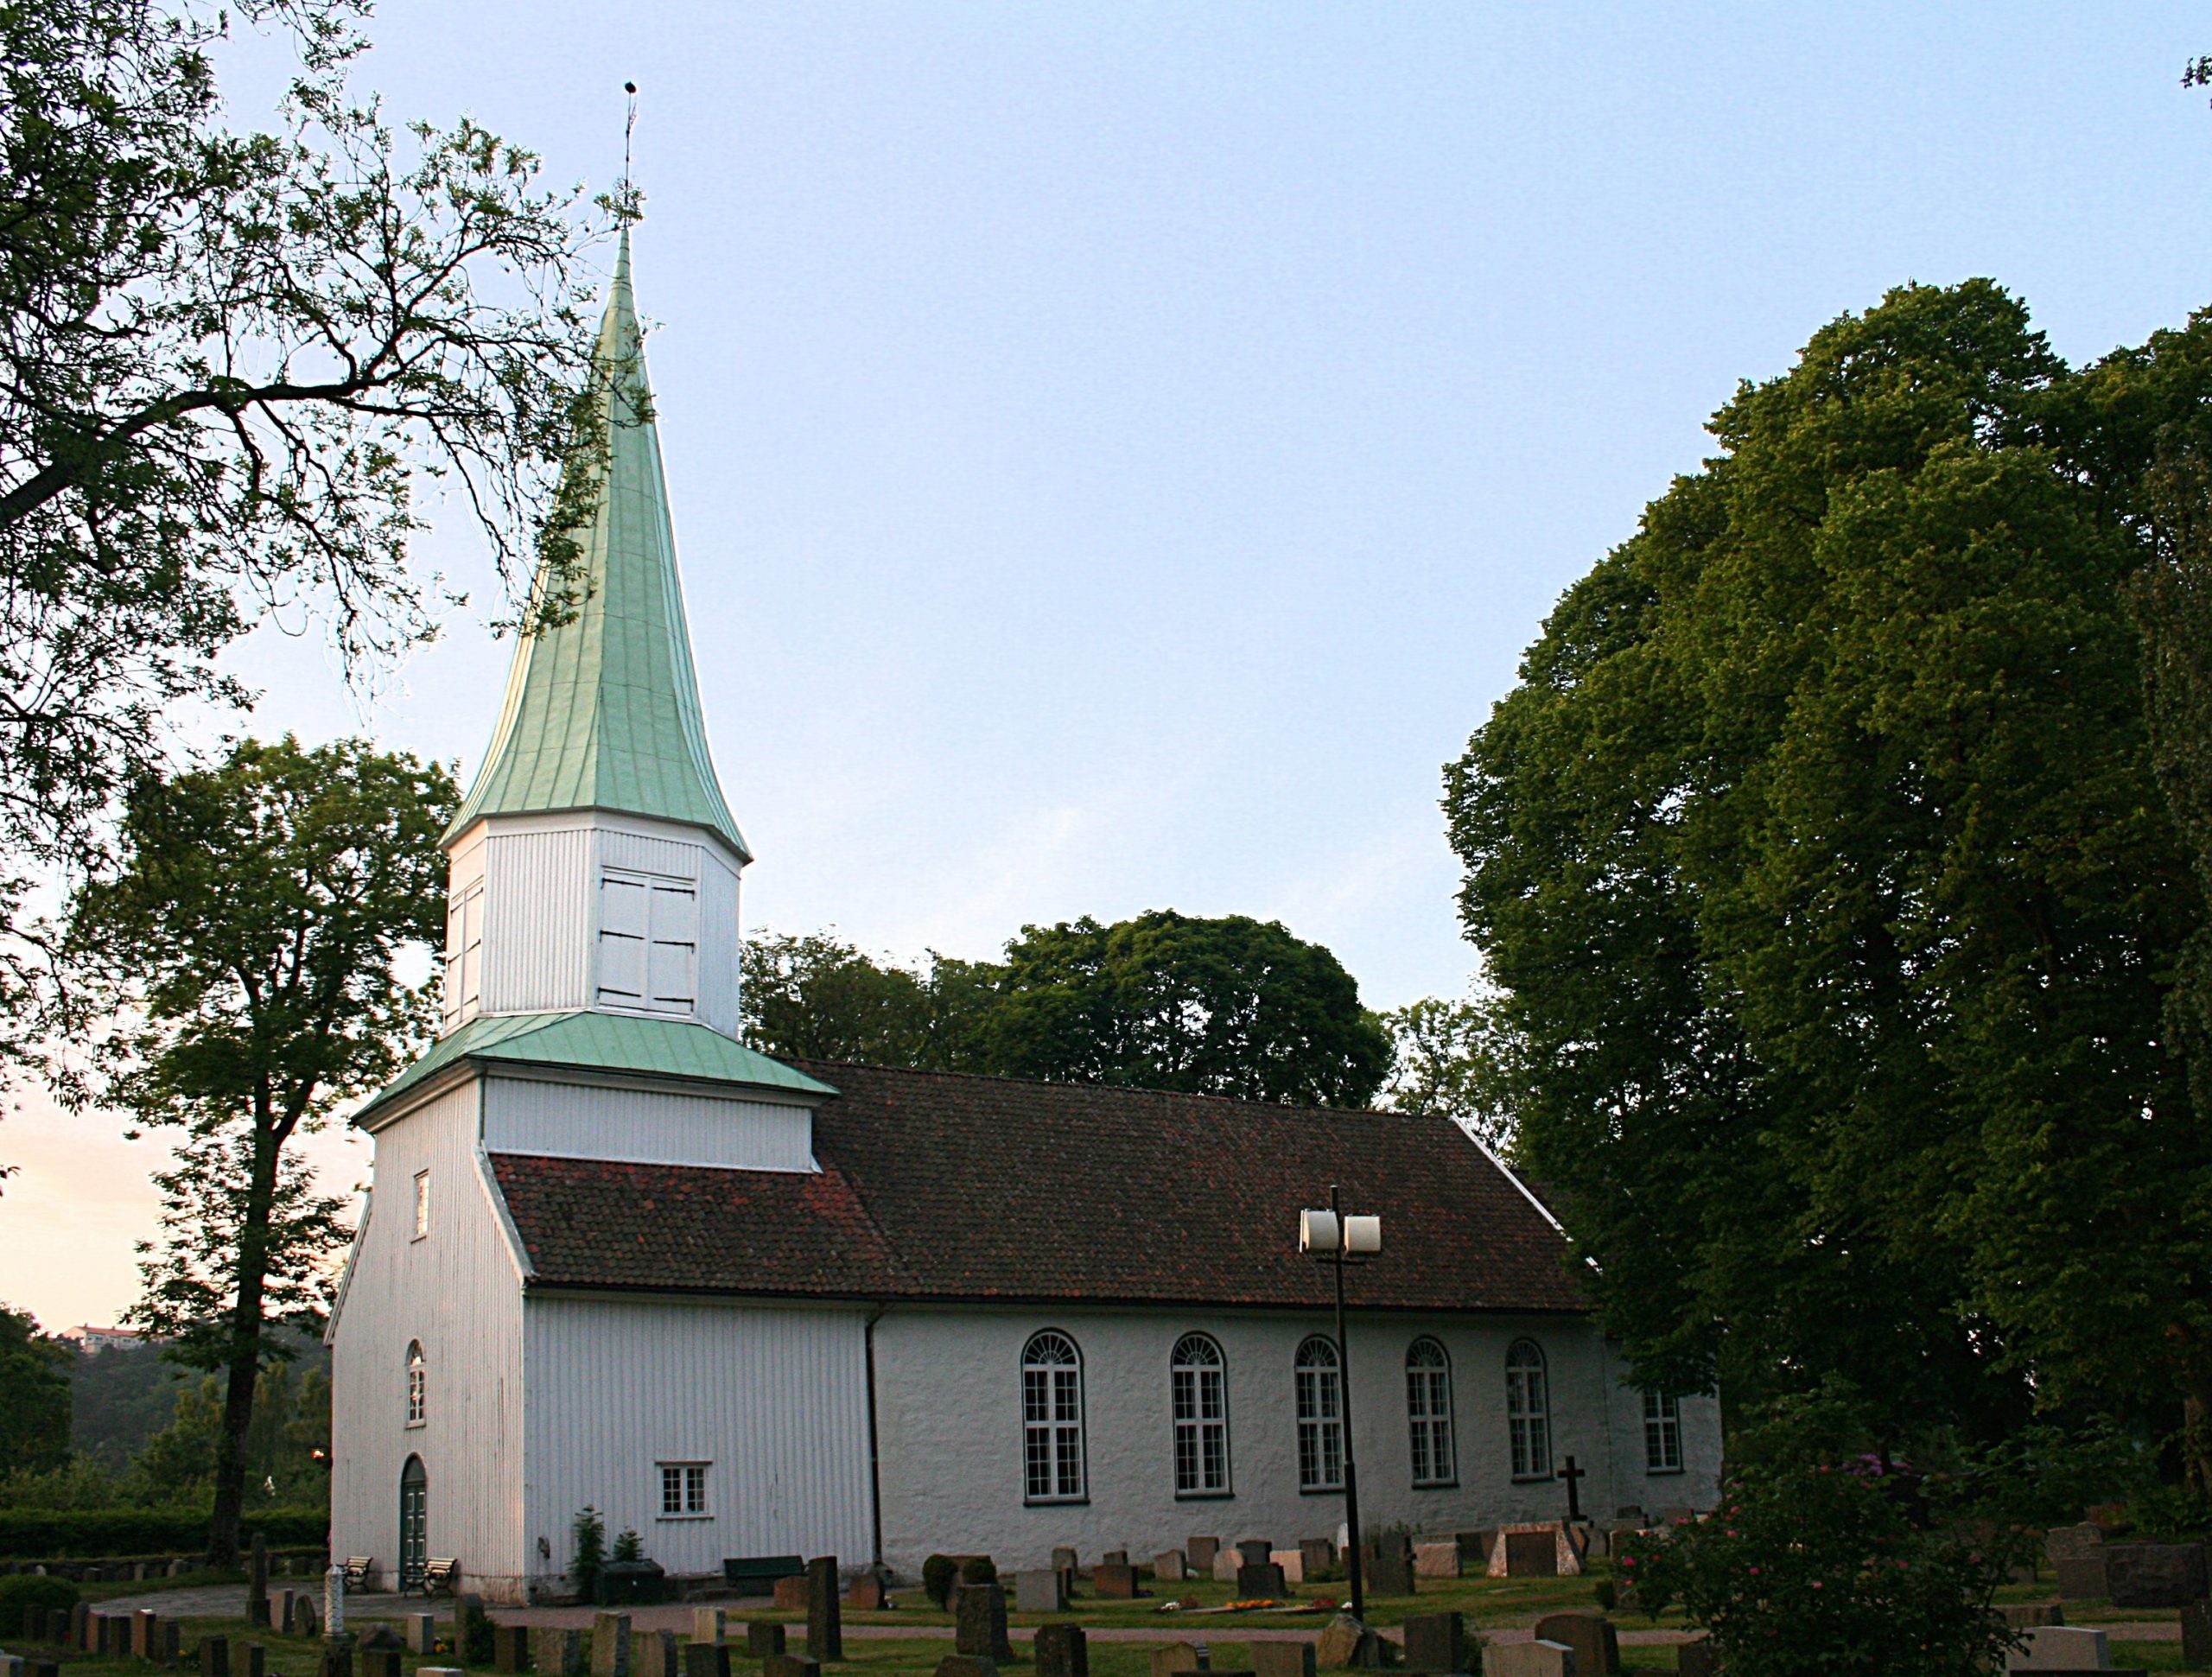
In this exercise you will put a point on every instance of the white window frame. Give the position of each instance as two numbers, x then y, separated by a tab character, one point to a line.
464	962
1662	1433
1528	1410
1052	1466
1198	1396
418	1406
421	1206
1319	1377
684	1491
1428	1414
661	956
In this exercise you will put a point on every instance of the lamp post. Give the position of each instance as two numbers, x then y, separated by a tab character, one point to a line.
1334	1239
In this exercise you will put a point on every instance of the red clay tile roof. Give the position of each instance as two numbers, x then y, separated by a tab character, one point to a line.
937	1186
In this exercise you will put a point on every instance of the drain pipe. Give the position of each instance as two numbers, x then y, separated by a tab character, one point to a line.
874	1459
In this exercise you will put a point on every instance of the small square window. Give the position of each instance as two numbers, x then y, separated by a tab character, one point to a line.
683	1489
422	1204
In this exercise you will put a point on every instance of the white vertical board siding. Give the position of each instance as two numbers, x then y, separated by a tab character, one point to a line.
537	928
1697	1485
643	853
645	1127
458	1291
719	935
949	1413
776	1400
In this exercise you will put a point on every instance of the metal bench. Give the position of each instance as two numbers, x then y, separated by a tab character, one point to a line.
740	1570
358	1567
440	1574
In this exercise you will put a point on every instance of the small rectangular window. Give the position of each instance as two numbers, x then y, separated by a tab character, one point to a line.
1663	1434
648	943
683	1489
422	1204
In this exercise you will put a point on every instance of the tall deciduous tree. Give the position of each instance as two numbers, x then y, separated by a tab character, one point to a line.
819	997
228	361
250	945
34	1395
1230	1005
1833	901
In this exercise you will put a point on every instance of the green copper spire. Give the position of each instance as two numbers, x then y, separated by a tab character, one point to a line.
602	711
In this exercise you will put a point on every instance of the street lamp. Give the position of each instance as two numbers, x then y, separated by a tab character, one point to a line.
1334	1239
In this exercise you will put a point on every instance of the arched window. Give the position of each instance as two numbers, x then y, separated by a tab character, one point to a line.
1052	1419
414	1382
1320	1417
1198	1390
1428	1411
1528	1410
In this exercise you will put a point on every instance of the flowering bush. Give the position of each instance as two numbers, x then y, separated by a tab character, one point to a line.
1826	1570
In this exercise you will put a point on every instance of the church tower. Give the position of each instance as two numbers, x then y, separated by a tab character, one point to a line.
594	863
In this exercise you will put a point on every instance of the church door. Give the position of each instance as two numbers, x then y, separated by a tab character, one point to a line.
414	1524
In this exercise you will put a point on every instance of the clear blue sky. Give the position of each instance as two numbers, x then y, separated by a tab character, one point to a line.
1119	453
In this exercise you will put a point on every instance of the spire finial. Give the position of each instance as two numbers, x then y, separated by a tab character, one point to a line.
629	127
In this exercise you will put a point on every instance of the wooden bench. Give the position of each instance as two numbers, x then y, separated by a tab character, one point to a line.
357	1571
440	1574
740	1570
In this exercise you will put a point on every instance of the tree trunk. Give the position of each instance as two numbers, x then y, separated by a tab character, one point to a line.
244	1367
2197	1438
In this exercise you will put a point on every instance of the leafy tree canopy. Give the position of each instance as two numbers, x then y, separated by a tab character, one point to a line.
1832	900
34	1394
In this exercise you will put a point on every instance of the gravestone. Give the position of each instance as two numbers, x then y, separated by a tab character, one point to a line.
1064	1561
791	1594
791	1664
1698	1659
868	1593
41	1668
1254	1582
215	1656
1346	1642
554	1652
1225	1563
1292	1562
764	1639
1315	1556
1113	1582
335	1657
979	1622
1255	1551
1394	1542
610	1645
1537	1659
1167	1566
1061	1650
1040	1593
2026	1615
2076	1555
2154	1574
2061	1648
1115	1556
2196	1635
11	1665
1390	1574
81	1627
440	1671
1531	1554
706	1624
1174	1658
380	1662
422	1632
1437	1559
1436	1643
1201	1551
256	1586
1596	1644
960	1665
142	1634
706	1660
653	1654
288	1606
511	1648
1280	1660
825	1622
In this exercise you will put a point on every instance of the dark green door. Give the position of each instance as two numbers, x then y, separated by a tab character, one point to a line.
414	1523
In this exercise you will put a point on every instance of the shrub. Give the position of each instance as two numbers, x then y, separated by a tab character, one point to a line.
939	1572
474	1637
105	1533
1605	1595
978	1569
628	1546
1827	1568
587	1550
25	1591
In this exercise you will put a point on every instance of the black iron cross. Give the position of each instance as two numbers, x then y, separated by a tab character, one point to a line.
1574	1476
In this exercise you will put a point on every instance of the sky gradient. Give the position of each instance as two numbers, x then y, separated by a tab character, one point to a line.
1120	452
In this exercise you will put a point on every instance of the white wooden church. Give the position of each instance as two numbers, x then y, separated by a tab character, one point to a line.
615	1258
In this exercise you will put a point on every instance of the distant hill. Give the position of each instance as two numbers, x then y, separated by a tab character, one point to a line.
122	1395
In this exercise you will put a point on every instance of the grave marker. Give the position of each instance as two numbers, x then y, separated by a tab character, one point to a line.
1201	1551
1064	1561
1596	1644
706	1660
957	1665
791	1594
256	1588
979	1622
1040	1593
1061	1650
1315	1555
421	1631
2061	1647
1390	1574
1225	1563
215	1656
556	1652
1440	1559
1174	1658
1113	1581
610	1645
1527	1660
2154	1574
825	1622
1257	1550
377	1662
1279	1660
706	1624
511	1648
1254	1582
655	1655
1167	1566
868	1593
764	1639
1532	1554
1698	1659
2196	1634
791	1664
1436	1643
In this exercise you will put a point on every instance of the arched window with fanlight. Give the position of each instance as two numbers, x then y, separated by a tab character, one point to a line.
417	1383
1052	1419
1198	1395
1428	1411
1320	1416
1528	1410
